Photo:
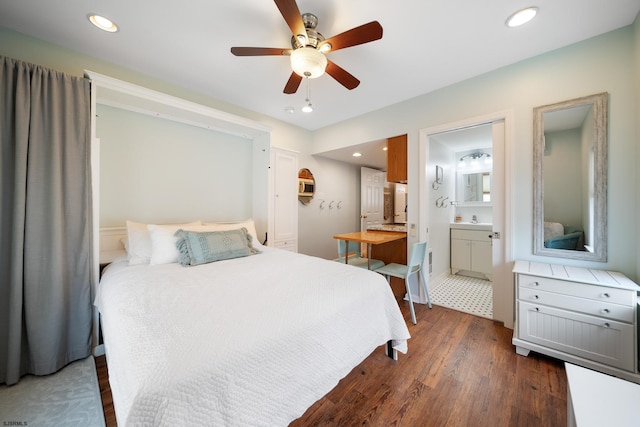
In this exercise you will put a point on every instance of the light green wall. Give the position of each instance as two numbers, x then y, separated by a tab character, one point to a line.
608	63
602	64
316	226
144	178
635	231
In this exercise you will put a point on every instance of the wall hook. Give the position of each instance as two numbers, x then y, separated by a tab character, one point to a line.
439	202
339	203
331	204
321	203
435	185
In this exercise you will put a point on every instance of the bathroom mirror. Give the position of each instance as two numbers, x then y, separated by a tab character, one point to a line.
474	187
306	186
570	179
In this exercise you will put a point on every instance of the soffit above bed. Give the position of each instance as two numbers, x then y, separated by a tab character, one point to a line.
128	96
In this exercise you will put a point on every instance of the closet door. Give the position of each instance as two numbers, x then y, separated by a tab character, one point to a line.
285	199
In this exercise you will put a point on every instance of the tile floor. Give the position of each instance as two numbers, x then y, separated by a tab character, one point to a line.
462	293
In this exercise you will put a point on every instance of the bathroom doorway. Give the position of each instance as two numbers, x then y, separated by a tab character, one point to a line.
443	150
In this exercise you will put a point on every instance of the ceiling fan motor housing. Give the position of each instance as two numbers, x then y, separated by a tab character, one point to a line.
313	37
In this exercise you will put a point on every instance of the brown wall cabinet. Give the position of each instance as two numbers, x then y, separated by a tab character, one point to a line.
397	159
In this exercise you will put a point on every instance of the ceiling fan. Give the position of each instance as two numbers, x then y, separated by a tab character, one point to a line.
308	47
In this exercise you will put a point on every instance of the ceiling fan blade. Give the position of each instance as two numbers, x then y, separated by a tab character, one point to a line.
291	14
359	35
342	76
293	84
259	51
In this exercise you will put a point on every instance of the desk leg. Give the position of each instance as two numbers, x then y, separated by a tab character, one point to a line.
368	256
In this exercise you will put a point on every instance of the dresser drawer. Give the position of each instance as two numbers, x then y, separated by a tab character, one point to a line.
601	340
582	290
592	307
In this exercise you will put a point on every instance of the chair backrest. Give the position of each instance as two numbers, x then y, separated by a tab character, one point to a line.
348	247
417	256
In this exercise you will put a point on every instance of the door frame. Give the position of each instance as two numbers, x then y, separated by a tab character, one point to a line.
503	288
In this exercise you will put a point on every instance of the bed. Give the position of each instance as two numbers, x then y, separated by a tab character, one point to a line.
248	341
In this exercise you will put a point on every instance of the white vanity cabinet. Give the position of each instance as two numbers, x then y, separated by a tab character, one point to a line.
471	251
582	316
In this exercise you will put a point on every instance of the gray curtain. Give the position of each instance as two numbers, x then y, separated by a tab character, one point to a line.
45	220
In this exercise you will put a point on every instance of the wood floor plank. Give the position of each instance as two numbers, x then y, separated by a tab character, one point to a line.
461	370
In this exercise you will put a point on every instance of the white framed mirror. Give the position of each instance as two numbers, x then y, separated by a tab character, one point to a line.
474	187
570	179
473	178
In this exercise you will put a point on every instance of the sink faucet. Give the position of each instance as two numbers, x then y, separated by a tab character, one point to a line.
474	219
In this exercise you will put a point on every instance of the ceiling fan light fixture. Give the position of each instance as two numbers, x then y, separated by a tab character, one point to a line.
325	47
302	39
521	17
308	62
103	23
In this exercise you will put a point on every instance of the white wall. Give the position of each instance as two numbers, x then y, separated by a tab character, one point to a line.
438	221
601	64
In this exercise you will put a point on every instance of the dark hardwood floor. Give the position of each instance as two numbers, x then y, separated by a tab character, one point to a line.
461	370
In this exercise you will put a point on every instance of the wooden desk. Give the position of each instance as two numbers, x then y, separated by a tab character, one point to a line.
373	237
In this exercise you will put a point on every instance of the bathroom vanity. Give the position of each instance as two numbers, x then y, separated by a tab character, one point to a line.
471	251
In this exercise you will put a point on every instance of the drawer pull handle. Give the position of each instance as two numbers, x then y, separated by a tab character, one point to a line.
536	283
606	295
537	309
606	310
536	296
607	325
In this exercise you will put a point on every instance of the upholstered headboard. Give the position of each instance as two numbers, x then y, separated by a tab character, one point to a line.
112	243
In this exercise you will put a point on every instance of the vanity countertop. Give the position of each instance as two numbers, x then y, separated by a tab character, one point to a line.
483	226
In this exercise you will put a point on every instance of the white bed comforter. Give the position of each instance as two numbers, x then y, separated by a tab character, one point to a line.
252	341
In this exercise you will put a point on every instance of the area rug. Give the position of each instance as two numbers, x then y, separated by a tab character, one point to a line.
70	397
467	294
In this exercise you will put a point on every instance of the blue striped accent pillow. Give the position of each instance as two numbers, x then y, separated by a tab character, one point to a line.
197	248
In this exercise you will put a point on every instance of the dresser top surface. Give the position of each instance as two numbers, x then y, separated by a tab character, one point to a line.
576	274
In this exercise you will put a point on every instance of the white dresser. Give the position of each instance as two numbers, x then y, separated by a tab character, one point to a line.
583	316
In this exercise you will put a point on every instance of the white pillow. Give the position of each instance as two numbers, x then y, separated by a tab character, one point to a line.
163	241
552	230
248	224
138	243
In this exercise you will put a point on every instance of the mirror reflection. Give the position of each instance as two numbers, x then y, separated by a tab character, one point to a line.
475	187
474	178
306	186
570	179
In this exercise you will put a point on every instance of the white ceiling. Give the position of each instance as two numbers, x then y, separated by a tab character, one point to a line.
426	44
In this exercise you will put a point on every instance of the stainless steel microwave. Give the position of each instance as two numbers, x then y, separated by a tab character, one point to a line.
305	187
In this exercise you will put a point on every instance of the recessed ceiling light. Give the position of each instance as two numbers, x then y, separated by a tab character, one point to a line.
522	17
356	154
102	23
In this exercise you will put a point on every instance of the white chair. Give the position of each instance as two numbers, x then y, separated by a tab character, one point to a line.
355	257
402	271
